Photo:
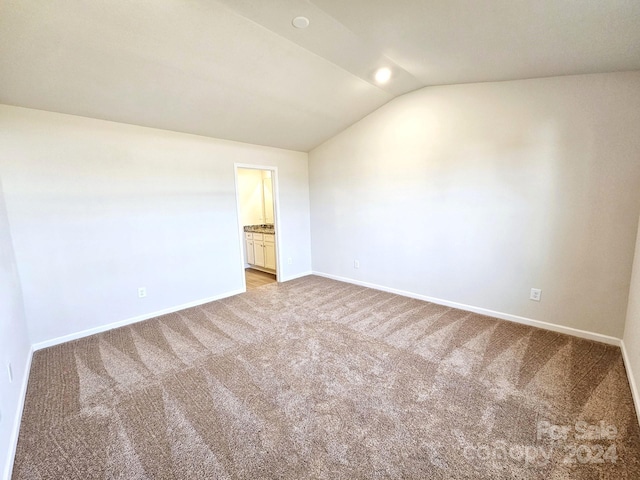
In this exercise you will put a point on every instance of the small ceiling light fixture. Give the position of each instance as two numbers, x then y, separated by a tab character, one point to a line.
383	75
300	22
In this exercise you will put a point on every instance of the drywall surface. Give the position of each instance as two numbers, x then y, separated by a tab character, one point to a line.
99	209
251	196
632	326
477	193
14	344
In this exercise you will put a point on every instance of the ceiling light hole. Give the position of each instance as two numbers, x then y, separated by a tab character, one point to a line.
383	75
300	22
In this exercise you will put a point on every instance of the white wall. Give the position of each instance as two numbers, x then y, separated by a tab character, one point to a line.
476	193
14	343
251	197
632	328
98	209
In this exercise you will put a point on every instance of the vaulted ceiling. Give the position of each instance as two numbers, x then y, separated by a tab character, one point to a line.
239	70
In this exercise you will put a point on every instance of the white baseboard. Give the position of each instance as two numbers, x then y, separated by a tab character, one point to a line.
632	380
297	275
598	337
15	432
129	321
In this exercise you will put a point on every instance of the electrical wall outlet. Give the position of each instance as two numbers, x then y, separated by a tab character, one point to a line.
535	295
142	292
356	264
289	260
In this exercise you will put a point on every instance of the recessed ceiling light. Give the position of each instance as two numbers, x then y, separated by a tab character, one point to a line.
300	22
383	75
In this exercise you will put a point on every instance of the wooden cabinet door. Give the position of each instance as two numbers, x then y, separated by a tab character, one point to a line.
258	249
250	252
270	255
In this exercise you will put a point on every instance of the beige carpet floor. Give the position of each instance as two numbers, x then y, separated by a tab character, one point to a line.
325	380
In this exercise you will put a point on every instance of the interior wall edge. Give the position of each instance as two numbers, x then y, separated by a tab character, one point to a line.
296	275
17	420
130	321
575	332
635	394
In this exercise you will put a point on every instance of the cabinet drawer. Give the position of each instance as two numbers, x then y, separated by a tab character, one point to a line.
248	235
258	236
268	238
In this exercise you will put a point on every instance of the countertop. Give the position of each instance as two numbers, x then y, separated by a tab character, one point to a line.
260	229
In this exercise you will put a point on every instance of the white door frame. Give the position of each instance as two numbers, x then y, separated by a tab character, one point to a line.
276	215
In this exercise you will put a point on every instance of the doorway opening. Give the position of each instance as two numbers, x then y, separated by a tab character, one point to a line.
256	194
